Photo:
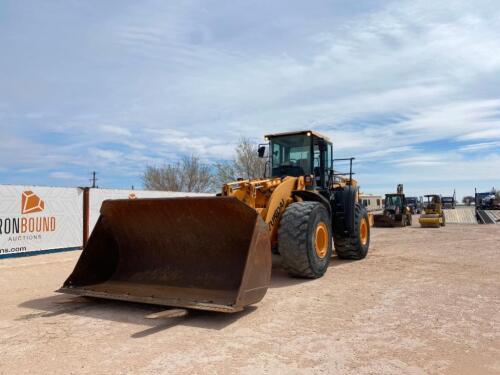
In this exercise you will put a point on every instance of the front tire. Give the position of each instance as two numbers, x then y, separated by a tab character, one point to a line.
356	245
305	239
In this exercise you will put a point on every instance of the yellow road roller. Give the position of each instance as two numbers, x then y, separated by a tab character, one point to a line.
433	216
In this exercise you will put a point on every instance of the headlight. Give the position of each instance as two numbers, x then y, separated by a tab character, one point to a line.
308	180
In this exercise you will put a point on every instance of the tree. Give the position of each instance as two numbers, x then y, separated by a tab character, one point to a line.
246	164
468	200
188	175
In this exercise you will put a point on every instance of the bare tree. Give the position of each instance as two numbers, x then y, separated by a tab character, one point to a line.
246	164
188	175
224	173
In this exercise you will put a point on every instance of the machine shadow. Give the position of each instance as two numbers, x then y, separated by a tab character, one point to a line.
126	312
135	313
280	278
199	319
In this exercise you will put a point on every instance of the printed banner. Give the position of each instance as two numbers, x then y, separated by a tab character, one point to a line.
34	218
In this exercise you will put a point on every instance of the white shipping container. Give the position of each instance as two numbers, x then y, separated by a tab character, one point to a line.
35	218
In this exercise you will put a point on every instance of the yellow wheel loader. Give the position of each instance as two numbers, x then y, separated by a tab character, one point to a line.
214	253
433	216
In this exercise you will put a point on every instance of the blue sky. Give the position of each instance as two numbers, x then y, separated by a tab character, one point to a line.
410	88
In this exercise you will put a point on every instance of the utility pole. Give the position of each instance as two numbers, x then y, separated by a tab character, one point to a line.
475	199
93	180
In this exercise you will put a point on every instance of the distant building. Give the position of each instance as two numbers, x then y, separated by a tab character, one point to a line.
371	202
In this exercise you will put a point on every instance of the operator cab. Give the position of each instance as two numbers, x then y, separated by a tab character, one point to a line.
304	153
394	200
432	200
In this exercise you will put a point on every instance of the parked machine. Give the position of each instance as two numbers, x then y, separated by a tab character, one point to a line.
396	211
490	201
487	204
414	204
433	216
449	202
214	253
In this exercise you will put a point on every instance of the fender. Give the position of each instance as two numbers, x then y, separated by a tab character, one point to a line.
278	202
307	195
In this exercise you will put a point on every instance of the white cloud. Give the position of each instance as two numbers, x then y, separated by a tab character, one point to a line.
419	161
63	176
115	130
439	173
106	155
391	80
388	152
474	147
493	133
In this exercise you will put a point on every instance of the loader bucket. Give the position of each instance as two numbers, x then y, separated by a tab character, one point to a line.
429	221
382	220
208	253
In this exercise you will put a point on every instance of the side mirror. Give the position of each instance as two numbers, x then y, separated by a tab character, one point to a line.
261	151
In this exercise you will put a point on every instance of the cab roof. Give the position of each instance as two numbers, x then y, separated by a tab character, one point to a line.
301	132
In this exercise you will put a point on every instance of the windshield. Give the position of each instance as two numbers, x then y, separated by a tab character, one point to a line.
447	200
433	199
411	200
392	201
291	155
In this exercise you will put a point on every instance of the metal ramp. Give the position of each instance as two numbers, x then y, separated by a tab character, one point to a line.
460	215
488	216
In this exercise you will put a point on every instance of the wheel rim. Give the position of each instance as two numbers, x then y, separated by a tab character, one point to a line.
363	232
321	240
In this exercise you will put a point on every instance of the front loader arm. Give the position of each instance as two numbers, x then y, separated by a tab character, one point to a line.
280	198
269	197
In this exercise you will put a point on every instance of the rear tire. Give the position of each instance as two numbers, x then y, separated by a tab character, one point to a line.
305	239
356	246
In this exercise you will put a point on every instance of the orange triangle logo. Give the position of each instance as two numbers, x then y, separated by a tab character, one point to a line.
31	203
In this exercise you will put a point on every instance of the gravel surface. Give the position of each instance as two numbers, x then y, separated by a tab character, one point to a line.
423	301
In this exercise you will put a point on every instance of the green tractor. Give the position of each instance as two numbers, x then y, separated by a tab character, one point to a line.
396	211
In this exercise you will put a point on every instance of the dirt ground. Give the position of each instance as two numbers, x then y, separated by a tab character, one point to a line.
423	301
